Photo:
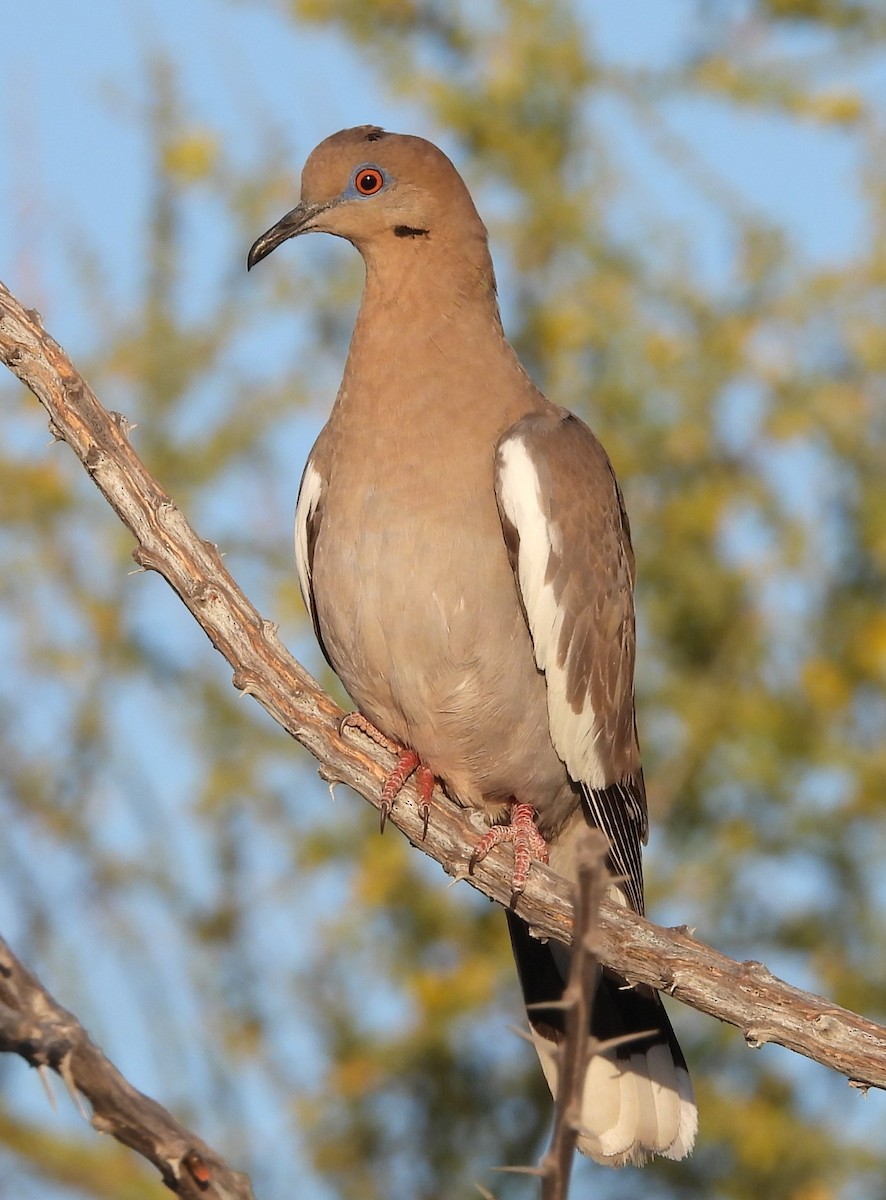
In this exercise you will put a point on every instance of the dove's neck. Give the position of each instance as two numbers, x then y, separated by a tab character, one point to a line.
429	331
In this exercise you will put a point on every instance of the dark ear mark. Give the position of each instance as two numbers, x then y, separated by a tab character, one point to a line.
409	231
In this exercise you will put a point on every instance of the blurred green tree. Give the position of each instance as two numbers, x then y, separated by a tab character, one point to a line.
307	993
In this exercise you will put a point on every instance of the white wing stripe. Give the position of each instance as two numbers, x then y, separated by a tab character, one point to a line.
573	733
521	501
308	498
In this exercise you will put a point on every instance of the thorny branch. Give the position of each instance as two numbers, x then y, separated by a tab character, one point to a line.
578	999
746	994
35	1026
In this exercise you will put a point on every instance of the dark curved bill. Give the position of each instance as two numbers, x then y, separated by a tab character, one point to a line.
295	222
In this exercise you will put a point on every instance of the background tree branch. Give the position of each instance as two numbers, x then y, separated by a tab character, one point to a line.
745	994
36	1027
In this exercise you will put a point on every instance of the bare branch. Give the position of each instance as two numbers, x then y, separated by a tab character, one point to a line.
578	999
744	994
35	1026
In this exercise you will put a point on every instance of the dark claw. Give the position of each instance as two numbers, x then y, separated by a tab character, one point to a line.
425	810
384	810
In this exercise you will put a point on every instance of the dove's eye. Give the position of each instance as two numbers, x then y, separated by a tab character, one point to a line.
368	181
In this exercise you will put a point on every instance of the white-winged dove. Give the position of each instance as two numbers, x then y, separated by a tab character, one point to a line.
465	556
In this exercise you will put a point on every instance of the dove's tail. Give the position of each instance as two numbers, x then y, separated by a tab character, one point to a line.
637	1099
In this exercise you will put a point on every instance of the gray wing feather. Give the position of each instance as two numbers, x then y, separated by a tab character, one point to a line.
570	547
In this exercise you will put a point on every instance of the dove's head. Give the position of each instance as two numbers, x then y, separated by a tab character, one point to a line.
375	189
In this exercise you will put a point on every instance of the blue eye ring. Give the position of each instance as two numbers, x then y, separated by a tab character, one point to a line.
368	180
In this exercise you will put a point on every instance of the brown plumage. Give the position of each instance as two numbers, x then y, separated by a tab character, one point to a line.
465	556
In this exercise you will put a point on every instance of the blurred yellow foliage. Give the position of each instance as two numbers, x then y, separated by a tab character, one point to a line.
825	684
868	646
868	340
384	872
355	1076
789	421
442	994
663	350
191	157
834	107
717	73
